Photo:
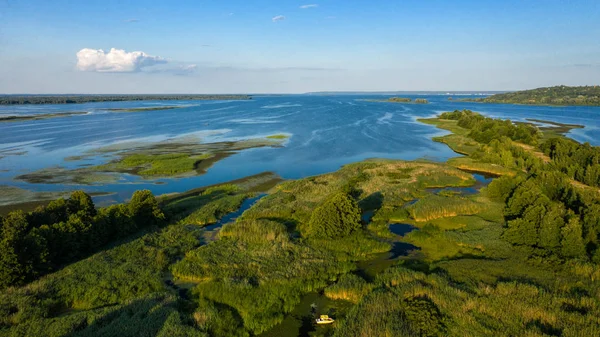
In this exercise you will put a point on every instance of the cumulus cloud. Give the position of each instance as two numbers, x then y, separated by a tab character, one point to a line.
116	60
278	18
309	6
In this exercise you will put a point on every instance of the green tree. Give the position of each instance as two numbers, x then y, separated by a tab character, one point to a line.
572	241
337	217
144	209
81	204
115	221
551	227
21	252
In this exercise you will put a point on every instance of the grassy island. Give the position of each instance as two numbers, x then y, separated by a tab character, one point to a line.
401	100
385	247
173	158
559	95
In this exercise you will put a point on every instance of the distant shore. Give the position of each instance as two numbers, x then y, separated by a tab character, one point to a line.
73	99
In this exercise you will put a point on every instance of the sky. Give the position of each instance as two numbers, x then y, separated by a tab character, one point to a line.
289	46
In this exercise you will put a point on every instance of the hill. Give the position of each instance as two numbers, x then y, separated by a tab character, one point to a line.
559	95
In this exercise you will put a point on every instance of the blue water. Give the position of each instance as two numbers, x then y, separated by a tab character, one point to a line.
326	133
231	217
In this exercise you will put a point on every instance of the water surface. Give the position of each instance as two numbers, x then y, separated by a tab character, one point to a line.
326	133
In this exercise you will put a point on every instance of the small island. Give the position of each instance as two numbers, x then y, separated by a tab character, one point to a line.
559	95
400	100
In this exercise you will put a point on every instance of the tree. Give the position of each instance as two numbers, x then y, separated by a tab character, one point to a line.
144	209
115	221
572	241
57	211
81	205
551	227
337	217
20	252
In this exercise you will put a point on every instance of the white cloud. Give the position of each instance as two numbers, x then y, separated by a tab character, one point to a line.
278	18
116	60
309	6
131	20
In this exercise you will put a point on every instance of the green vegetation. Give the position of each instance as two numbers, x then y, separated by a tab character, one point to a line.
401	100
60	99
278	136
171	158
337	217
65	230
350	288
516	258
22	118
559	95
147	165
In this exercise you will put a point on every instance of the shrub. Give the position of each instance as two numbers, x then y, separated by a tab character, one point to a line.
336	217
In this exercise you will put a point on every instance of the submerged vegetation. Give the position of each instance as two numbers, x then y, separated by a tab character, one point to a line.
518	257
22	118
144	109
61	99
559	95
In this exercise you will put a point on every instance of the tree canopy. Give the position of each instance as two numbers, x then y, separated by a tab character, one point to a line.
337	217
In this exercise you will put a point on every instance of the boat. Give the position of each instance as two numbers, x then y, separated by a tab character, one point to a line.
324	319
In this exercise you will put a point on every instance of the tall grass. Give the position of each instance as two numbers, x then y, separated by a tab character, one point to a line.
436	206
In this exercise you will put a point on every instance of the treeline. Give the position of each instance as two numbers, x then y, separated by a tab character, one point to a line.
484	129
545	212
72	99
36	243
505	153
578	161
549	216
559	95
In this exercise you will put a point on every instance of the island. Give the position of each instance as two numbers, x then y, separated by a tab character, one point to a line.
73	99
501	240
400	100
558	95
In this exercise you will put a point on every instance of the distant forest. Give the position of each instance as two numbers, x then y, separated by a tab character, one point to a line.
70	99
559	95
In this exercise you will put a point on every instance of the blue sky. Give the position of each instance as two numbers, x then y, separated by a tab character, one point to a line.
294	46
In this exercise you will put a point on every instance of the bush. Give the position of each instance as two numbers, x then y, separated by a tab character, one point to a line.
336	217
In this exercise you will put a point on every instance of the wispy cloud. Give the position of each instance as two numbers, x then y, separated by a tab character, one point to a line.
330	17
586	65
309	6
131	20
278	18
115	61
